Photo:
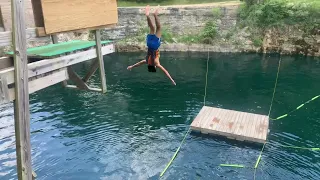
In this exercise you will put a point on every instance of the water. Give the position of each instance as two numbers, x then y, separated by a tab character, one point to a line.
133	130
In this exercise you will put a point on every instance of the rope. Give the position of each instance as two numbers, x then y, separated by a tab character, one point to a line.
297	108
232	165
274	92
258	161
301	148
275	86
175	154
205	88
185	136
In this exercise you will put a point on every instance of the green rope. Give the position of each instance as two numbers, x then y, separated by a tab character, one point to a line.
205	88
274	92
302	148
232	165
259	158
258	161
297	108
275	86
175	154
185	136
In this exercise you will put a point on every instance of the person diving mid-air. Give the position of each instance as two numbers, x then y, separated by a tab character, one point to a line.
153	44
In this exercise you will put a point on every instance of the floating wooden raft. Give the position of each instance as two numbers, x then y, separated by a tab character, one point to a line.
232	124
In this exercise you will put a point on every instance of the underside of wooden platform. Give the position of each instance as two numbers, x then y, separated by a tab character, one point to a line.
47	72
237	125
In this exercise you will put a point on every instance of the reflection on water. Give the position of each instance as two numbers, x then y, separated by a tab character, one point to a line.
132	131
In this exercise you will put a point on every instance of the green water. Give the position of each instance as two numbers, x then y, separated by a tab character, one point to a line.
133	130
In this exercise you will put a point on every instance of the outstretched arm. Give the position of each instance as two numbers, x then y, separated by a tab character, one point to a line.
137	64
167	73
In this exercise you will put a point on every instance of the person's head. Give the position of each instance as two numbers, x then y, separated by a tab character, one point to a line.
152	69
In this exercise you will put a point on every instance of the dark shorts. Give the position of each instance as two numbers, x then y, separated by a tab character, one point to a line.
153	42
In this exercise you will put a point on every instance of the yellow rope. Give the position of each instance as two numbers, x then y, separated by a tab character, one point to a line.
185	136
258	161
274	92
175	154
297	108
205	88
275	86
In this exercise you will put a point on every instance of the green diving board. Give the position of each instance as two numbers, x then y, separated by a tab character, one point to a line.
53	50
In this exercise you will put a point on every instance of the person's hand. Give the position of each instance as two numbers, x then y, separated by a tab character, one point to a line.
129	68
174	83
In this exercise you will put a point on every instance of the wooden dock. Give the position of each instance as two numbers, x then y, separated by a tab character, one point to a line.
237	125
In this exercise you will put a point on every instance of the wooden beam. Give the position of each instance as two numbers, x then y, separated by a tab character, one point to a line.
90	88
77	80
101	63
55	39
41	82
37	13
93	69
7	18
5	62
41	32
4	93
1	20
48	65
31	35
21	104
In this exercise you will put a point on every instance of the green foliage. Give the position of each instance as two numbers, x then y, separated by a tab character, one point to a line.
206	36
210	30
257	41
141	36
190	39
216	12
301	13
166	35
252	2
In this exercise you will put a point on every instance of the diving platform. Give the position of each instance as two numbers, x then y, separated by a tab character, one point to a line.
51	64
27	70
232	124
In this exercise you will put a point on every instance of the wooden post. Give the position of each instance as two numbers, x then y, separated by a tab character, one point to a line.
101	63
55	40
21	104
4	91
93	68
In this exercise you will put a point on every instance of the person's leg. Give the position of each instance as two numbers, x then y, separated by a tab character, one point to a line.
149	20
158	32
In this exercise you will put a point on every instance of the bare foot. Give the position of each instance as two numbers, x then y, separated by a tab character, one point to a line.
156	12
147	10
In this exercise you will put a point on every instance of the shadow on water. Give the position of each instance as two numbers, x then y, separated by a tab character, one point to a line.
132	131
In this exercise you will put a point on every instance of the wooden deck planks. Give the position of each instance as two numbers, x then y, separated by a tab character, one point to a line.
232	124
